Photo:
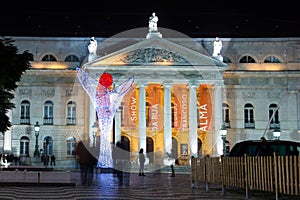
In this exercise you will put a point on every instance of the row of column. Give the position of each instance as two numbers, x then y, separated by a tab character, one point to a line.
213	141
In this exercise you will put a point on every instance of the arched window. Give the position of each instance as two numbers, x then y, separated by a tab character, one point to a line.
71	113
48	146
225	114
274	116
247	59
249	116
272	59
71	145
24	146
48	113
72	58
25	112
49	58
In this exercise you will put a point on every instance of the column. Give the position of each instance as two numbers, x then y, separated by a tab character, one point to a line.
91	121
292	110
193	120
217	143
7	136
142	116
118	125
167	120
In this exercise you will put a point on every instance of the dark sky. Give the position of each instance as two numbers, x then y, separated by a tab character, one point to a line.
195	18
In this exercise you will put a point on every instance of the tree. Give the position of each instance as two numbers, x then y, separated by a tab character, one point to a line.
12	67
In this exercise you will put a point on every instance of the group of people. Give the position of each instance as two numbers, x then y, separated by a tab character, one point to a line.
87	159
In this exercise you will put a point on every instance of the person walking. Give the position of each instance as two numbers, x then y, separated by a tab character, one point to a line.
86	161
52	160
142	162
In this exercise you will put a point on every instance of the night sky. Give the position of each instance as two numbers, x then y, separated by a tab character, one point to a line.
195	18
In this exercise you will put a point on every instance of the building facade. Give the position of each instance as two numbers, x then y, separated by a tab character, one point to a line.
181	96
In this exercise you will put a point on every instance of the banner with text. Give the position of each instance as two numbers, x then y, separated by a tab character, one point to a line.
130	108
155	107
204	107
181	107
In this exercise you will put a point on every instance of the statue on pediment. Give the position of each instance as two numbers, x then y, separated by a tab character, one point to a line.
92	47
153	19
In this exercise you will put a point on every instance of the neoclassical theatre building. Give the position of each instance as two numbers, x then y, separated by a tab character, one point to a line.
183	93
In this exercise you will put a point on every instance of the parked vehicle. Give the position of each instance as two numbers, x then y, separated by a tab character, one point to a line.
265	148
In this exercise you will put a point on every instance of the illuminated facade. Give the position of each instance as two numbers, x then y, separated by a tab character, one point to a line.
180	98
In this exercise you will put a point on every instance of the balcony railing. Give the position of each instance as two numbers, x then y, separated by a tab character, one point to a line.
25	120
71	121
48	121
250	125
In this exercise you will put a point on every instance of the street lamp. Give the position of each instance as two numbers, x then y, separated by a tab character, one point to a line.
276	133
94	131
223	133
37	132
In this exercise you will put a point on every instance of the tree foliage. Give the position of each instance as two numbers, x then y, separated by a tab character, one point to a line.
12	67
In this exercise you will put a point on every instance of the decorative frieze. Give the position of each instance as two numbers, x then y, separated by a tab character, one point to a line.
48	92
248	95
148	55
273	95
72	91
25	91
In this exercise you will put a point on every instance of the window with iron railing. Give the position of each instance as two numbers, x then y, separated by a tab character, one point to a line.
249	116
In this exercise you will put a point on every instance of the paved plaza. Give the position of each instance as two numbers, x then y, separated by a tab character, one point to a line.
108	186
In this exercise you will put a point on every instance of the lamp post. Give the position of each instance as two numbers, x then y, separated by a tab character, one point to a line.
276	133
37	132
223	133
94	129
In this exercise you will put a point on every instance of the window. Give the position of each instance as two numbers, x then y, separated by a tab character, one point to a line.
71	58
71	113
225	114
48	145
249	116
273	116
247	59
25	112
272	59
48	113
49	58
71	145
24	146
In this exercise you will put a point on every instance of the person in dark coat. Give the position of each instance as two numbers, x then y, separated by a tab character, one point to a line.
52	160
142	162
87	162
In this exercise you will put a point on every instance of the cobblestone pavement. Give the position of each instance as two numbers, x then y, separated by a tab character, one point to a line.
133	187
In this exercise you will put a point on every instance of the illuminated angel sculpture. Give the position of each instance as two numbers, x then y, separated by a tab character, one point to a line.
106	102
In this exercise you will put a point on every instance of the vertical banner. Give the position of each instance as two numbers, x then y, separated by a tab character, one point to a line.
204	107
130	109
181	107
155	108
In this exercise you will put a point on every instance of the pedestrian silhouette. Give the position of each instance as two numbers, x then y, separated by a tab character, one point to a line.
142	162
52	160
87	163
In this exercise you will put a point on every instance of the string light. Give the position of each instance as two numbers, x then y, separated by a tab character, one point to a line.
106	102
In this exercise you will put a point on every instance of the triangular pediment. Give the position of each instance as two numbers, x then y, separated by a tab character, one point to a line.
156	51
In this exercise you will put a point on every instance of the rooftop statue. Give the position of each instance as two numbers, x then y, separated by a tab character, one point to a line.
153	19
92	47
217	47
